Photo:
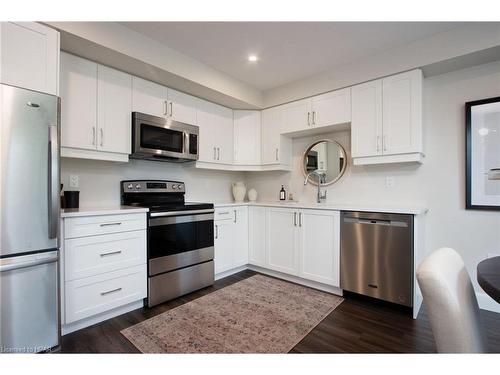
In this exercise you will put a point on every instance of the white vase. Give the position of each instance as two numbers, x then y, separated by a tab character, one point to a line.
239	191
252	195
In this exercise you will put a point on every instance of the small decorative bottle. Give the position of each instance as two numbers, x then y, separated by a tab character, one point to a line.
282	193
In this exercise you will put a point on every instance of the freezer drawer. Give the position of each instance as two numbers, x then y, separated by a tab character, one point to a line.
29	303
377	255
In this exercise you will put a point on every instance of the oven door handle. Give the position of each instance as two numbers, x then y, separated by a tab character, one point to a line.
179	213
172	220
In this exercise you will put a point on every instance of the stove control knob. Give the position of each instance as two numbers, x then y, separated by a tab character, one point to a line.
138	186
130	186
174	186
179	186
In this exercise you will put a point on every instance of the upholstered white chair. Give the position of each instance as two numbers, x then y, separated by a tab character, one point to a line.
451	303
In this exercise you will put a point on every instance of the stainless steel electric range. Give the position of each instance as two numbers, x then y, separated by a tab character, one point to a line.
180	238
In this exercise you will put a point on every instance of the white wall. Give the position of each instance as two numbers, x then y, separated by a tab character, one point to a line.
438	184
444	46
99	181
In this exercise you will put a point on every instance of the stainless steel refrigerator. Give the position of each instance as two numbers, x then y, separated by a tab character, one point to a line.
29	216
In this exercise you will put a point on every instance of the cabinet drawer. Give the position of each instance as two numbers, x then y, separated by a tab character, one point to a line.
226	213
97	294
89	256
103	224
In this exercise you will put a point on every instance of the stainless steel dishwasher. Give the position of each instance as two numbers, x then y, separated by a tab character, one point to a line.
376	255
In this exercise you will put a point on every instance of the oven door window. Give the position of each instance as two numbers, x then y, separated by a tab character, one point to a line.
169	239
158	138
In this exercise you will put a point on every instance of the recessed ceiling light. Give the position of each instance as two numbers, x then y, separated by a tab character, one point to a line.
252	58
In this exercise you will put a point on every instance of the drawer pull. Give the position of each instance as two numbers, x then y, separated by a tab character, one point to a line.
109	224
111	291
111	253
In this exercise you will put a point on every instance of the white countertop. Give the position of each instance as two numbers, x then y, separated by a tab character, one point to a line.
396	209
104	210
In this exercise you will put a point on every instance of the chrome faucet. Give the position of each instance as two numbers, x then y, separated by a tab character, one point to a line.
320	196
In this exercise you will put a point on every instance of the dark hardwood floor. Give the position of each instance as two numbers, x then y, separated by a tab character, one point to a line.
356	326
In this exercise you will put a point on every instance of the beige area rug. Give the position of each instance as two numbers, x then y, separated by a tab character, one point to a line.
256	315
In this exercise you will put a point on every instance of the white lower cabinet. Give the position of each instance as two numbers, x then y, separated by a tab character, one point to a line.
281	240
320	246
103	264
303	243
257	236
230	238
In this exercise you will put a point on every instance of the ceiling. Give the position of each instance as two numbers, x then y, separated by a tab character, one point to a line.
287	51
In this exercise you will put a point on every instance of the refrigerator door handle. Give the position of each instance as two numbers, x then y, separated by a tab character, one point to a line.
53	181
10	266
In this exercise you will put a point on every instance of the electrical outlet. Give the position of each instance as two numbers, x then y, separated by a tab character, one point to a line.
390	182
73	181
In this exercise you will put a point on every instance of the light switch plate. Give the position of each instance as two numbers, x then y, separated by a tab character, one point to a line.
73	181
390	182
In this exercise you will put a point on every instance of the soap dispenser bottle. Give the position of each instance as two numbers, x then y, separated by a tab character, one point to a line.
282	193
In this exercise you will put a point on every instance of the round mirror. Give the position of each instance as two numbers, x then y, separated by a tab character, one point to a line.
324	161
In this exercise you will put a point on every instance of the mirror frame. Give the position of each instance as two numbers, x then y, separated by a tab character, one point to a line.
304	155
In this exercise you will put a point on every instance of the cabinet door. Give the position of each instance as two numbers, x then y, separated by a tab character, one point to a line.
247	137
224	135
297	116
331	108
402	113
240	256
366	124
272	119
257	236
114	110
320	246
78	102
149	97
182	107
206	115
281	240
29	56
224	241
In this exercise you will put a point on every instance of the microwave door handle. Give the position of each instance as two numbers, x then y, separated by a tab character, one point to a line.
185	147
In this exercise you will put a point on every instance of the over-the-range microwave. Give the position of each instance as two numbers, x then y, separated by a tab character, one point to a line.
160	139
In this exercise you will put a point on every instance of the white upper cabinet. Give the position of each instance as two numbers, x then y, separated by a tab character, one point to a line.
366	128
78	102
402	113
276	148
182	107
386	122
149	97
297	116
216	133
29	56
331	108
247	137
320	246
114	110
96	107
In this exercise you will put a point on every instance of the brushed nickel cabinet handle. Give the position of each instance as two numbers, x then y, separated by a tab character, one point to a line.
308	118
218	153
171	108
110	253
295	219
314	117
165	108
102	136
234	216
300	219
385	142
109	224
215	153
216	231
378	143
111	291
277	157
93	135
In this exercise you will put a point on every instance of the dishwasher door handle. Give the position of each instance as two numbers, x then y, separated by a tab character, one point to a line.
389	223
